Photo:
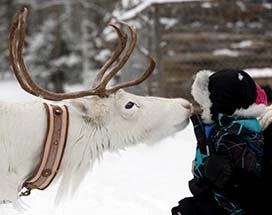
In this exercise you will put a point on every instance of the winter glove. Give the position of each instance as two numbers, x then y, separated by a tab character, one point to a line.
199	185
218	170
203	204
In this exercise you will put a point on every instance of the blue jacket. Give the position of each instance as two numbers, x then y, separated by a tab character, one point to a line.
228	160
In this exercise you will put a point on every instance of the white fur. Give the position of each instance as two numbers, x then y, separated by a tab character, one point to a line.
201	93
266	118
254	110
96	125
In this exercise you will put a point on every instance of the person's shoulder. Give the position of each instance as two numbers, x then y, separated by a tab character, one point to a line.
266	119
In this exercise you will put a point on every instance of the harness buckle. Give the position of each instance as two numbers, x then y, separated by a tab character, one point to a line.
25	191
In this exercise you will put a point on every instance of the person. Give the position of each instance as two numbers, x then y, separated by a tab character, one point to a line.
266	124
227	169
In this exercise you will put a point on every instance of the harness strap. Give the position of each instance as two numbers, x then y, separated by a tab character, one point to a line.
54	145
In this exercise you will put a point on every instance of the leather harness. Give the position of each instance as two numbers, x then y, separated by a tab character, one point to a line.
54	145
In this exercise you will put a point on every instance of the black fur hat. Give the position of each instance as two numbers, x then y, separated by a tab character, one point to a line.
231	92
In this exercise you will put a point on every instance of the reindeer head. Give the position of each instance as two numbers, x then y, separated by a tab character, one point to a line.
124	118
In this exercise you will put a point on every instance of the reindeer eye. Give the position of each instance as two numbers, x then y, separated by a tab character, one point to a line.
129	105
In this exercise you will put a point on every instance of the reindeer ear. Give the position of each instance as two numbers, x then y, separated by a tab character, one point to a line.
94	108
81	106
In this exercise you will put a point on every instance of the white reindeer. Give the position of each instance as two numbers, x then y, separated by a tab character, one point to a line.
100	120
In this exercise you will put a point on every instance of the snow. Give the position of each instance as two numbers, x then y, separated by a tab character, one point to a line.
242	44
69	60
146	180
103	55
129	14
259	72
207	5
169	22
226	52
267	5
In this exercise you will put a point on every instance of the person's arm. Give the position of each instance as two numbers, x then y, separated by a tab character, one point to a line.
199	132
199	184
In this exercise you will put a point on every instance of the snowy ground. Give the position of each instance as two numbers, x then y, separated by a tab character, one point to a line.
143	180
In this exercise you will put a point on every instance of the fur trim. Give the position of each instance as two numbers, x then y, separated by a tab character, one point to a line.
201	93
266	118
254	110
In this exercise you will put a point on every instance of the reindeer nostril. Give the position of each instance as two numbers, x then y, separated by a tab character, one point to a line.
187	105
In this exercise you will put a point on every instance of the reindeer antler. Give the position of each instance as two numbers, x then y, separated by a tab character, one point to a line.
16	42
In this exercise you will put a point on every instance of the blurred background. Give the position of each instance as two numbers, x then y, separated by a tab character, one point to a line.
68	41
